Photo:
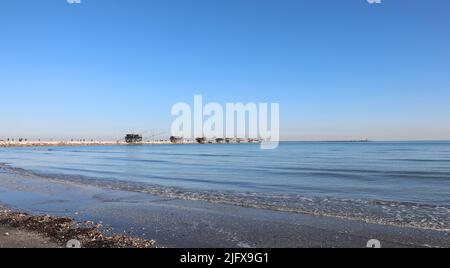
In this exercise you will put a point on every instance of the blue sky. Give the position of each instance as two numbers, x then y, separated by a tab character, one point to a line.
339	69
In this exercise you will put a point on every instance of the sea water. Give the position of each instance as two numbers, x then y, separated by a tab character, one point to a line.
398	183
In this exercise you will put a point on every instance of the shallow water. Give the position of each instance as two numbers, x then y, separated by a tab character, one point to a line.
396	183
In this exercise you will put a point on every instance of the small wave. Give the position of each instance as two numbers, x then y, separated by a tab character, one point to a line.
356	173
141	160
194	154
421	160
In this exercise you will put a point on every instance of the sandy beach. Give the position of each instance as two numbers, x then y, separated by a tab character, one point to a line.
173	222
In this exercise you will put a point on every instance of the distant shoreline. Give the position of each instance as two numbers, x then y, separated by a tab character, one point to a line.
6	144
13	144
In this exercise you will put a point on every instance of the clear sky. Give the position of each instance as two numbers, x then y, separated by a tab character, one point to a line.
339	69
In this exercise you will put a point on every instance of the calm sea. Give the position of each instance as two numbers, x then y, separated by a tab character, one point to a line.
398	183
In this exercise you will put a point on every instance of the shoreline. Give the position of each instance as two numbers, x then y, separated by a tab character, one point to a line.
200	225
381	209
178	223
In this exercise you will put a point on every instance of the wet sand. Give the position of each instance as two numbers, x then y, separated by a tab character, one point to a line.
15	238
200	224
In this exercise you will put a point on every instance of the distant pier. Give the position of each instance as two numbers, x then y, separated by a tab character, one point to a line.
72	143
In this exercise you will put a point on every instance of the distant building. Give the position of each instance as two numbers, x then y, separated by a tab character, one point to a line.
133	138
201	140
176	140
